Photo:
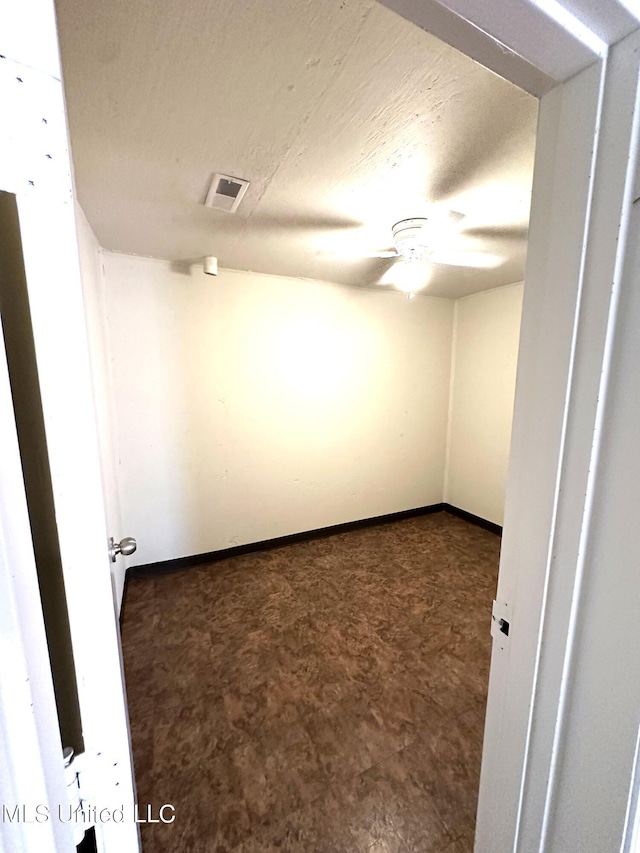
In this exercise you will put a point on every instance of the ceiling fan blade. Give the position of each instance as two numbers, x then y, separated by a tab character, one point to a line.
461	258
499	232
301	221
391	253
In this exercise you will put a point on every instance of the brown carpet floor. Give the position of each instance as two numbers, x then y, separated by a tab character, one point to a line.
323	697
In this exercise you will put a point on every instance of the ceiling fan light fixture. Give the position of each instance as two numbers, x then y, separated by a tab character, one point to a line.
421	243
410	276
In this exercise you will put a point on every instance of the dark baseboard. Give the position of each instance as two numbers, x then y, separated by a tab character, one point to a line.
473	519
306	536
180	563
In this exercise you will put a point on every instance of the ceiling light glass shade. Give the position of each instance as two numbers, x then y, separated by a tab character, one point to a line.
410	276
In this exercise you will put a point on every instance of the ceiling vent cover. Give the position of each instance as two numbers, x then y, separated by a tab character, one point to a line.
226	192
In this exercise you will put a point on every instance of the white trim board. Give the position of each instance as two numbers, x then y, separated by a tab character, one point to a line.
535	44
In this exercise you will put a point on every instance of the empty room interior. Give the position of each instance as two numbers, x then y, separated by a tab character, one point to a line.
302	232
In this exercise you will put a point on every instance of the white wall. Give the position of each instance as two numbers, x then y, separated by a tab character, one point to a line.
95	312
485	351
253	406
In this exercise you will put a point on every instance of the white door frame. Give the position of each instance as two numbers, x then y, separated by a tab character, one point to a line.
558	772
565	368
35	167
574	389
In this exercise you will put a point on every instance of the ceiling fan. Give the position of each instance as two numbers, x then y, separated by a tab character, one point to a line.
420	242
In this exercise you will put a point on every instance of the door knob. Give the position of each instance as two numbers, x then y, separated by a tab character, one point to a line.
125	547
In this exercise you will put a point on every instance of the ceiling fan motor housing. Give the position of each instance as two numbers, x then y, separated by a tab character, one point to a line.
409	237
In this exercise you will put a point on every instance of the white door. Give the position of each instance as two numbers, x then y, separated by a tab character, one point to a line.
35	168
31	773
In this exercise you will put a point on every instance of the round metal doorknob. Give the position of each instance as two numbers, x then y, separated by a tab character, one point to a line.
125	547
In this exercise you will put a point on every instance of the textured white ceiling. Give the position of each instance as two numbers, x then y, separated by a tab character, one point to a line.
344	117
